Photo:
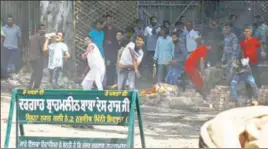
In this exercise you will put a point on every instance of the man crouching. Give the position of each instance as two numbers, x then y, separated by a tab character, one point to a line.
243	74
129	62
96	66
194	61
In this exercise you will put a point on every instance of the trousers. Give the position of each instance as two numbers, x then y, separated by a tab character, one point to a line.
194	75
10	56
54	77
111	75
256	75
37	74
243	78
161	73
126	76
93	75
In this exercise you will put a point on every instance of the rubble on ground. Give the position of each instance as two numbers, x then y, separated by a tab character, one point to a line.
160	94
22	79
263	98
219	98
213	77
170	96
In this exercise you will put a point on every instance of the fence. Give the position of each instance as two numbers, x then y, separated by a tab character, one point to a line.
86	13
26	14
169	10
260	8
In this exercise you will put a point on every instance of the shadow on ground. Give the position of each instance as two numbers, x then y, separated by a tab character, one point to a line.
167	124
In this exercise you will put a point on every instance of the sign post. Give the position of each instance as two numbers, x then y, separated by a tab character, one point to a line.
110	108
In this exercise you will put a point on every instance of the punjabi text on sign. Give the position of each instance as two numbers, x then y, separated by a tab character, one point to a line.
72	105
33	92
116	93
67	144
97	118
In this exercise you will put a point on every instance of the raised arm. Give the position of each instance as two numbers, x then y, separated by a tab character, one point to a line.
45	47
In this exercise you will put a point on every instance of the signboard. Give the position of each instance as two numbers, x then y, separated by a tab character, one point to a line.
108	108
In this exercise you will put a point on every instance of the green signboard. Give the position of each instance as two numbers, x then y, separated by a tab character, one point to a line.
110	108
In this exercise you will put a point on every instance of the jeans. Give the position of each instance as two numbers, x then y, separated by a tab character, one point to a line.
10	56
54	77
161	73
126	75
37	74
246	78
229	69
256	75
175	76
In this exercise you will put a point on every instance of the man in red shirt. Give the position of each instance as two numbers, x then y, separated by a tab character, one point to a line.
250	46
193	62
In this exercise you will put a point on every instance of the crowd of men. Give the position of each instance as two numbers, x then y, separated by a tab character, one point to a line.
178	51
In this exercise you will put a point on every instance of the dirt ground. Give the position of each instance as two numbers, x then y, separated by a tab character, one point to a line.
164	127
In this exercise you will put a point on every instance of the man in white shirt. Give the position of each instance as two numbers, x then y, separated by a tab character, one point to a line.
191	44
96	66
57	51
129	62
151	34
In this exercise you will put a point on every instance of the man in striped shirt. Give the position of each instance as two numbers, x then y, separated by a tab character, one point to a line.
230	51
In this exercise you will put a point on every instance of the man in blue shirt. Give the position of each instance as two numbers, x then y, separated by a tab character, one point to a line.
97	36
231	50
176	68
164	52
11	46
